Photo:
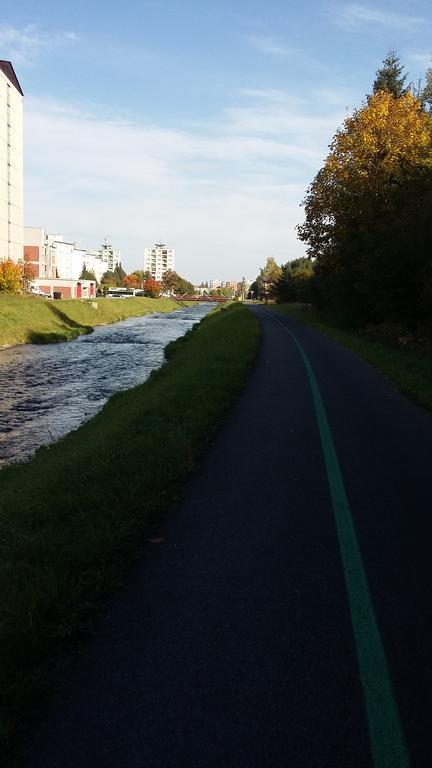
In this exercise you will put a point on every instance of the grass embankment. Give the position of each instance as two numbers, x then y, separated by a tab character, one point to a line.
75	514
411	372
34	320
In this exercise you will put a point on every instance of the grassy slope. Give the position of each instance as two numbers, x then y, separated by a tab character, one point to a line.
36	320
412	373
74	513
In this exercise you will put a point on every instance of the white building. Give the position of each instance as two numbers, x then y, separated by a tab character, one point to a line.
108	255
52	256
67	259
11	164
158	260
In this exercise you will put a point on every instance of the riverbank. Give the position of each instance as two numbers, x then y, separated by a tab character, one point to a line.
411	372
76	514
34	320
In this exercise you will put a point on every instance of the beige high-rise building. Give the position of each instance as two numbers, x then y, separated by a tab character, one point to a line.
158	260
11	164
109	256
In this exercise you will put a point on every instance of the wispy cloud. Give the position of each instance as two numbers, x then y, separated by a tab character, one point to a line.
356	17
25	45
271	46
201	187
423	60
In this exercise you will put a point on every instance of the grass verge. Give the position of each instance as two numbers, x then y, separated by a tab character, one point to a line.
73	516
410	372
34	320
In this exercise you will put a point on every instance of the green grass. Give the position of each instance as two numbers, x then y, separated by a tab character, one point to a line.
410	372
31	319
72	517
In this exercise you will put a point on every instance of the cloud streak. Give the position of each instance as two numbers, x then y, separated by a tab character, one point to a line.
25	45
271	47
423	60
355	17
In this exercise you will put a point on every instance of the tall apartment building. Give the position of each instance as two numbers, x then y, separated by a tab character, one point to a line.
109	256
158	260
11	164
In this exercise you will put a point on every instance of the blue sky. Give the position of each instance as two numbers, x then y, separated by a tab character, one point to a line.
198	123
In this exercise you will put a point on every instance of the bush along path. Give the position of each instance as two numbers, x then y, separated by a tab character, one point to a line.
72	517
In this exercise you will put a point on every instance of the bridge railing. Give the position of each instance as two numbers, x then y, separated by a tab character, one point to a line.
204	297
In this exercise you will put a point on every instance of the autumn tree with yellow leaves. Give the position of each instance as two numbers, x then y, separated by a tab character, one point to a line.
15	276
368	223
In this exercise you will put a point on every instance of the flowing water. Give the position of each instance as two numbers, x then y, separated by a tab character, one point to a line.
49	390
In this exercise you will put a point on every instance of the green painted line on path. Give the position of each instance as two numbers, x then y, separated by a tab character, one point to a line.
386	737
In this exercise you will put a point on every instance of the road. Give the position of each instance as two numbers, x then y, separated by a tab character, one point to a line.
282	614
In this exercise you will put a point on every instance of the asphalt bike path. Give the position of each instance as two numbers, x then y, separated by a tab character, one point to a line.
281	615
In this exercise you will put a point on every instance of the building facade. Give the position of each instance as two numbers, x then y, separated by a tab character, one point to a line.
36	251
66	289
67	260
108	255
54	257
11	164
158	260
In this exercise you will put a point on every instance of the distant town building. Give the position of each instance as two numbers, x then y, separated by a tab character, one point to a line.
108	255
234	285
201	289
158	260
244	285
11	164
52	256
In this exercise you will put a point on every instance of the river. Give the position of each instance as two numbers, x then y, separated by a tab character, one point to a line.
49	390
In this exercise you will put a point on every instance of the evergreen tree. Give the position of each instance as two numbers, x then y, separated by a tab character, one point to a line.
269	276
109	279
141	274
294	283
426	94
87	274
390	78
119	275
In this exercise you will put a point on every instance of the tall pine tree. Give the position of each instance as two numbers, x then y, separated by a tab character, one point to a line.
119	275
87	274
390	77
426	94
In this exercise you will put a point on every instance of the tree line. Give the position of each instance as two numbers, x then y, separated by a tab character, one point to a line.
368	223
142	280
15	277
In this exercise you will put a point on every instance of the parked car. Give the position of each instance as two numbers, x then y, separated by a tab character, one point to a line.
36	291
